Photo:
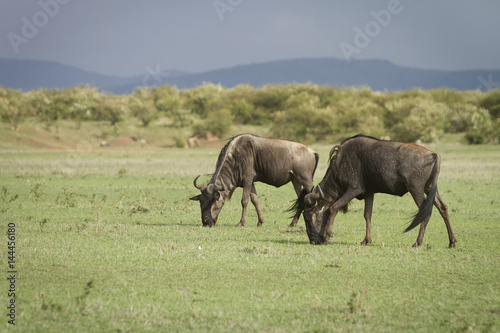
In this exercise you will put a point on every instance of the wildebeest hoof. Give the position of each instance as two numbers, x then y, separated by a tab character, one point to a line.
259	224
293	224
239	225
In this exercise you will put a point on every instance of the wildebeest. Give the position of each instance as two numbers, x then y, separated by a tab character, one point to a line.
362	166
246	159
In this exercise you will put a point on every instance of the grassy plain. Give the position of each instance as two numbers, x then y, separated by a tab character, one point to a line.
109	242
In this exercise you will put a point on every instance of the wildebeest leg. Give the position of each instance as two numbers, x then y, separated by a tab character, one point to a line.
297	186
368	218
255	202
298	189
247	188
419	198
326	230
331	219
443	210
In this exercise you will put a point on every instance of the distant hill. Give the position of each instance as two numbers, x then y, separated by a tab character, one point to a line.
33	74
377	74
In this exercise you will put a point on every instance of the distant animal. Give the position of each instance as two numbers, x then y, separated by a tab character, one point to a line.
246	159
362	166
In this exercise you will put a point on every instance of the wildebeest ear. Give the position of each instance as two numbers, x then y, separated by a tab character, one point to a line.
196	198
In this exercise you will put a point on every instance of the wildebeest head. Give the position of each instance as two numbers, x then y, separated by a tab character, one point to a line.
316	215
211	201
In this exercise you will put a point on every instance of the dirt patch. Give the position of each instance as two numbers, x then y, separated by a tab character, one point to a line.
126	142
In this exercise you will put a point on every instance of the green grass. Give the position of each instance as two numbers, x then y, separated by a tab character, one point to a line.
110	242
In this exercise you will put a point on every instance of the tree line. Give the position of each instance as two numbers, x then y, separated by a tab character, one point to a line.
300	112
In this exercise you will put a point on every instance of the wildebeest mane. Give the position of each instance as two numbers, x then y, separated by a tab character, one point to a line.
333	154
221	159
359	136
335	149
222	156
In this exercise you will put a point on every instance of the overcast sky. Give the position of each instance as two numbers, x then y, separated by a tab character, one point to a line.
125	37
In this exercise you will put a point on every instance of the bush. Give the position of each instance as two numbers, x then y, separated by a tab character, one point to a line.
419	120
111	108
300	112
166	99
482	124
302	120
244	113
142	106
12	108
201	100
360	115
218	122
271	98
474	138
491	102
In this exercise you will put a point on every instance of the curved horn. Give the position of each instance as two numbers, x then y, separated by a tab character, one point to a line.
195	184
322	196
312	197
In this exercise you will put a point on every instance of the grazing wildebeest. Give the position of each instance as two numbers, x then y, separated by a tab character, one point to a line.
362	166
246	159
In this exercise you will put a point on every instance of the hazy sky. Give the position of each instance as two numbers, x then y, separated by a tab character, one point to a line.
125	37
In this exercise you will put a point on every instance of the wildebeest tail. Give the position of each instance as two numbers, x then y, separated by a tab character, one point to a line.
425	209
299	204
316	156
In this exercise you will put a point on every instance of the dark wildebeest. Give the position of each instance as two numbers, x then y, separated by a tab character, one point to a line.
246	159
362	166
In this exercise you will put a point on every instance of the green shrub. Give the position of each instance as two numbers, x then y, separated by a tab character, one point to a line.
142	106
244	113
474	138
166	99
361	115
201	100
302	120
271	98
12	108
419	120
491	102
301	112
482	124
218	122
111	108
